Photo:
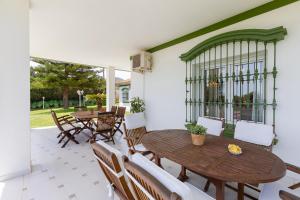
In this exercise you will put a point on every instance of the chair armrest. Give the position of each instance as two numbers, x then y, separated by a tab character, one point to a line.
287	196
293	168
64	116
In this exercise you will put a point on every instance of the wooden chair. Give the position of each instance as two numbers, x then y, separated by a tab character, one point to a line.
214	126
67	126
287	196
111	163
255	133
135	129
278	189
151	182
105	127
114	109
119	119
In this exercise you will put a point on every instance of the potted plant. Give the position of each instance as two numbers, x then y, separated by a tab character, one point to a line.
98	98
137	105
197	132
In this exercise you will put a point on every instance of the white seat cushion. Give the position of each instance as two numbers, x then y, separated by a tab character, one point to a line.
270	191
260	134
169	181
140	147
135	120
67	127
198	194
214	127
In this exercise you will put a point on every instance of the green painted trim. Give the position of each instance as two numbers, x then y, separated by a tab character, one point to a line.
261	35
226	22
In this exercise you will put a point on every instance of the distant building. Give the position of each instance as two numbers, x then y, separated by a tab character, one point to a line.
122	92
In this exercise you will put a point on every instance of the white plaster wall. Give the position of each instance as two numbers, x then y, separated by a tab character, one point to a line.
14	89
164	88
110	87
137	85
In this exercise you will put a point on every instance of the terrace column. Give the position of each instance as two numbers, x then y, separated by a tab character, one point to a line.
110	87
14	89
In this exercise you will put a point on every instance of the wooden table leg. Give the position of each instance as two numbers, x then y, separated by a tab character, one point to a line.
182	176
241	191
220	189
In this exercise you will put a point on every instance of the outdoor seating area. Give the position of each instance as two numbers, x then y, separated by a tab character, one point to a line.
149	100
105	124
139	173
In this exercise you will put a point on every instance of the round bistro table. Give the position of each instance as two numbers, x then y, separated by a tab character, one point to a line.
213	161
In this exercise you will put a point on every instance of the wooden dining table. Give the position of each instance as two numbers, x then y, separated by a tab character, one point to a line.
86	118
213	161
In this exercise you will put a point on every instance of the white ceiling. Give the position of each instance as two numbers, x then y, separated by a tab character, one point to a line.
107	32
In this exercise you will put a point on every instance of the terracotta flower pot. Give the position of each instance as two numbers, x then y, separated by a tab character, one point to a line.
99	106
198	139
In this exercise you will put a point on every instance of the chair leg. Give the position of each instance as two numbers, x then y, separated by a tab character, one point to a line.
63	146
117	128
70	137
59	135
206	187
112	138
61	139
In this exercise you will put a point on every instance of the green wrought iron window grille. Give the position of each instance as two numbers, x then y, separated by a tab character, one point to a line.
233	76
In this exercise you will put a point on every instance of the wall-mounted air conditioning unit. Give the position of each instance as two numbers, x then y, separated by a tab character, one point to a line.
141	62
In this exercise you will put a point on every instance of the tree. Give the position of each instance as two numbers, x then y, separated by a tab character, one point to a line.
66	76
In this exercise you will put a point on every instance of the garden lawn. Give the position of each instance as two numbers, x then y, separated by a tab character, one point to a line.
43	118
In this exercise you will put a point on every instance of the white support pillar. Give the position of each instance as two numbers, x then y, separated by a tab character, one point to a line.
110	87
14	89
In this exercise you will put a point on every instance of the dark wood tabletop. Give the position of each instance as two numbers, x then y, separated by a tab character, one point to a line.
85	114
255	165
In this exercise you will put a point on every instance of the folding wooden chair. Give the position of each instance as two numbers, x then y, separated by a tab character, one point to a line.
114	109
112	166
135	129
151	182
119	119
280	189
105	127
68	128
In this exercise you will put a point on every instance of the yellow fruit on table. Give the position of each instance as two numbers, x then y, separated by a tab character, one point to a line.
234	149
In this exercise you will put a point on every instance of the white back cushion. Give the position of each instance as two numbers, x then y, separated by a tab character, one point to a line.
135	120
169	181
115	151
214	127
260	134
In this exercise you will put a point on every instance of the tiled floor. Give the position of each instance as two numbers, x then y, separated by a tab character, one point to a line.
70	173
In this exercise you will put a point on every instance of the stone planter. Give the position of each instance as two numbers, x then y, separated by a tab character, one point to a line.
198	139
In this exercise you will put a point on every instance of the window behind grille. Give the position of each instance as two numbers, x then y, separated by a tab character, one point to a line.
233	76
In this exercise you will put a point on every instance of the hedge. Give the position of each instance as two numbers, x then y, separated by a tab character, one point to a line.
59	103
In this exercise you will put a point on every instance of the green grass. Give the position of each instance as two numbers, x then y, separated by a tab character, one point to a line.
42	118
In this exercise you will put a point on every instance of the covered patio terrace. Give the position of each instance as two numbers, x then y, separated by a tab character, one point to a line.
211	110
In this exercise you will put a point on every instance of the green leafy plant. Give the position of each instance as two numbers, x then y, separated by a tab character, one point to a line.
137	105
196	129
99	98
